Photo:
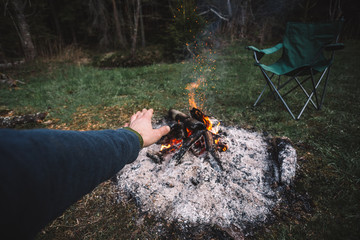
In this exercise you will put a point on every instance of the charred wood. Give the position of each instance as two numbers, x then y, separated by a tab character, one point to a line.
187	143
194	124
189	122
189	133
155	156
213	158
177	131
214	161
200	116
177	115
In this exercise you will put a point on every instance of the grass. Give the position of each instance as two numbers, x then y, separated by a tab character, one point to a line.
328	179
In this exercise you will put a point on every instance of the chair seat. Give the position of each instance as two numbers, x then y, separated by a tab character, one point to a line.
282	67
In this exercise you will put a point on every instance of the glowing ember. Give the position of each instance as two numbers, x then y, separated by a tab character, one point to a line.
173	142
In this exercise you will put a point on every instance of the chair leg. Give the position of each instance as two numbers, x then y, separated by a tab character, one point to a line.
314	92
304	90
307	102
325	85
299	84
274	89
314	88
262	92
271	84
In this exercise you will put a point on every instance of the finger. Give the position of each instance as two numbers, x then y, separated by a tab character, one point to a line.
162	131
135	116
149	113
139	114
143	112
126	124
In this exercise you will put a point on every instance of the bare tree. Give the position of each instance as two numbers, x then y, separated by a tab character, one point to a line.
100	21
23	29
142	28
121	38
335	11
136	26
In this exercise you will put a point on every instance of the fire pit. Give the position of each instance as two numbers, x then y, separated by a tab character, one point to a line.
223	176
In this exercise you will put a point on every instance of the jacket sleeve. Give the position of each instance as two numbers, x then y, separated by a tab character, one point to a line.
43	172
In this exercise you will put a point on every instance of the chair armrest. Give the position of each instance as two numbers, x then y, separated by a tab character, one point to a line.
334	46
266	50
258	54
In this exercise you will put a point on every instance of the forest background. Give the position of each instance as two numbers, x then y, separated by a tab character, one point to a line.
36	28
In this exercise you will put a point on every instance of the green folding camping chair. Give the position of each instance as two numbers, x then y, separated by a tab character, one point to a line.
304	55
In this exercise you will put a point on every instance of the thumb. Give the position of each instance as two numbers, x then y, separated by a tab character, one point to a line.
163	130
155	135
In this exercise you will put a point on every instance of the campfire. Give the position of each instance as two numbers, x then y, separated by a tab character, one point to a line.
206	174
195	133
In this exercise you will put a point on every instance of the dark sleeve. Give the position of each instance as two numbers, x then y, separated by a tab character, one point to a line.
43	172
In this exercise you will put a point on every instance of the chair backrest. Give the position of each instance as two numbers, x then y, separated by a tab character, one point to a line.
303	42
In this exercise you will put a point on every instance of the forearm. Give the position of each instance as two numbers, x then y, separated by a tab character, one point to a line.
44	171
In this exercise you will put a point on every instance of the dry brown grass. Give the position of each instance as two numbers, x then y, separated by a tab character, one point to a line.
69	54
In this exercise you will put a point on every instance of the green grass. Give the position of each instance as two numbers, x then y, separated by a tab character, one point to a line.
327	141
62	90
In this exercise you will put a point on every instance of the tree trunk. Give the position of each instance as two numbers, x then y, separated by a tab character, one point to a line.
229	8
136	26
119	34
128	11
100	21
56	20
142	28
243	13
23	30
335	10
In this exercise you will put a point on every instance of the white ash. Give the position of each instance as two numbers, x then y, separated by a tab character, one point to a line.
193	192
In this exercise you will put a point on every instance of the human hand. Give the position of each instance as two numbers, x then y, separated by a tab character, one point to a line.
141	123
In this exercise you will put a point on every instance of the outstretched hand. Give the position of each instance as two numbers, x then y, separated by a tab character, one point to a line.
141	122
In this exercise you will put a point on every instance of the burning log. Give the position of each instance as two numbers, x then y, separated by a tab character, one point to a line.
177	132
198	115
214	158
189	122
192	133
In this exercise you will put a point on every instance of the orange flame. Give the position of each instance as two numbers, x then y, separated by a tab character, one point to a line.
172	143
209	125
191	87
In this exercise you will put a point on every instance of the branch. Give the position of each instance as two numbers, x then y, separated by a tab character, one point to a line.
216	13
